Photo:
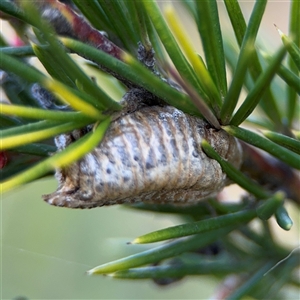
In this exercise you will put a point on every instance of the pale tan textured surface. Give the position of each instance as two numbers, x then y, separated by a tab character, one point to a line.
151	155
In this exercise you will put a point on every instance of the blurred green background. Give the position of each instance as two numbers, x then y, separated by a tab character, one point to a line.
46	250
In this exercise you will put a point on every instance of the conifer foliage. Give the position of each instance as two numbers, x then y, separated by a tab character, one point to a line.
149	74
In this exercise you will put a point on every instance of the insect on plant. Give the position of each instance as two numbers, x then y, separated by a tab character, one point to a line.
172	138
151	155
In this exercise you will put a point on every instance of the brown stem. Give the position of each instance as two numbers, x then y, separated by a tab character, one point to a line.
80	29
271	172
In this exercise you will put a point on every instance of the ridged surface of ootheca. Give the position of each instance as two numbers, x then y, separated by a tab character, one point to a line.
152	155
